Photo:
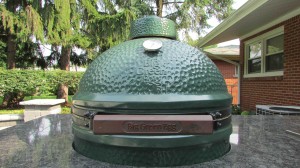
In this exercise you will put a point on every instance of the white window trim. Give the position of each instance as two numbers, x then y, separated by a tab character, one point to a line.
262	38
236	71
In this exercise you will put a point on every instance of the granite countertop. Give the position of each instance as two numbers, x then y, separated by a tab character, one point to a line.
257	141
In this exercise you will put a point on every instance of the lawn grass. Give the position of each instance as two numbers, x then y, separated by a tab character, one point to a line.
64	110
18	111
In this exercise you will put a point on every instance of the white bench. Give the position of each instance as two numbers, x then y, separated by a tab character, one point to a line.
8	120
41	107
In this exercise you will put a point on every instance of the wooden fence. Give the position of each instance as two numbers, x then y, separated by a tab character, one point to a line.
232	87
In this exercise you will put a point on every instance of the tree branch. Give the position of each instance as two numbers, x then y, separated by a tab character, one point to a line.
165	3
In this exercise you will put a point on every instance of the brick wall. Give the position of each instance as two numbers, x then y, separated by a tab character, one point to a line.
227	69
282	90
228	72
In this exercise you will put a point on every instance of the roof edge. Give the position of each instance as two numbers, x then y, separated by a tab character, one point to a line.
223	59
289	15
239	14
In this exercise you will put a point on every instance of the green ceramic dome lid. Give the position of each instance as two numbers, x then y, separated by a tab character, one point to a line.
153	26
176	76
152	72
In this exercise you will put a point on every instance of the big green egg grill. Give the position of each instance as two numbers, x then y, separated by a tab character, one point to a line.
152	101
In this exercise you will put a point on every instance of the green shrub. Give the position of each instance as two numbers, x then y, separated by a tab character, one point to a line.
71	79
245	113
13	81
21	83
32	82
236	109
65	110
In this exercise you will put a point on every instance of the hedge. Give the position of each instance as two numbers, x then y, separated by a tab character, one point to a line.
37	82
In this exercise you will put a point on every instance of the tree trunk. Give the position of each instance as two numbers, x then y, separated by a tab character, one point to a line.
11	51
159	5
64	65
65	58
12	99
62	92
6	99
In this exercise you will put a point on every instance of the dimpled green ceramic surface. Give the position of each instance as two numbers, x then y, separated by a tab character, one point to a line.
172	79
153	26
132	77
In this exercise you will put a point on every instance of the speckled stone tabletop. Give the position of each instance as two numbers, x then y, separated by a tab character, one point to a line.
257	141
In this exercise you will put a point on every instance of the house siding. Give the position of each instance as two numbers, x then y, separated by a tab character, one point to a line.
228	72
281	90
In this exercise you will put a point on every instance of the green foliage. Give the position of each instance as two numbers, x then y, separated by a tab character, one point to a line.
106	23
245	113
90	8
193	15
93	25
19	81
9	20
119	32
31	82
65	110
2	54
57	19
54	78
24	23
109	30
28	53
236	110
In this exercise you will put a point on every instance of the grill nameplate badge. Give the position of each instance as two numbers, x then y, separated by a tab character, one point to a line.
152	124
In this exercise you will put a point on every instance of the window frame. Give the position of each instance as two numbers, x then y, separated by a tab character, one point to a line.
236	71
263	39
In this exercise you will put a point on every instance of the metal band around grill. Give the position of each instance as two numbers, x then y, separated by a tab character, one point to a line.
153	124
87	112
88	123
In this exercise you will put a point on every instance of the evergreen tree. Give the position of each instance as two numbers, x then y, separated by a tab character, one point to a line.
86	24
20	20
192	15
107	22
92	25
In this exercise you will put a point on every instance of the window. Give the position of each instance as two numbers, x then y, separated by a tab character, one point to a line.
264	55
274	55
254	58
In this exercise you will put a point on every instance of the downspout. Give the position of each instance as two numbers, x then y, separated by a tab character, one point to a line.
239	84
